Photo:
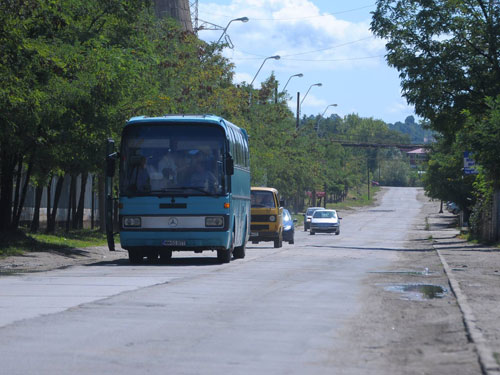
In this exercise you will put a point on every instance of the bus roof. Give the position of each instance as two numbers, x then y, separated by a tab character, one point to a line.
176	118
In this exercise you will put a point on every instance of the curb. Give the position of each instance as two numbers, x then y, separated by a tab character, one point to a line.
486	358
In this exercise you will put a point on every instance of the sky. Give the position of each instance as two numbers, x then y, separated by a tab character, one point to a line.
328	41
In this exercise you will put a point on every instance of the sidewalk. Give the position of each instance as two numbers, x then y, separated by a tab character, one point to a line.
474	274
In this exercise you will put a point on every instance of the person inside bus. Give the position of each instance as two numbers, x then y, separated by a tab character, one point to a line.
141	177
201	175
168	168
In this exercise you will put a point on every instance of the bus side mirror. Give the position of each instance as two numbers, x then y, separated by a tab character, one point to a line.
282	203
229	165
110	165
110	157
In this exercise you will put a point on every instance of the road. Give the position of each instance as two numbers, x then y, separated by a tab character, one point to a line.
326	305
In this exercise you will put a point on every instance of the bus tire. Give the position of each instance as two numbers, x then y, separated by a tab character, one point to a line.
239	252
135	256
224	255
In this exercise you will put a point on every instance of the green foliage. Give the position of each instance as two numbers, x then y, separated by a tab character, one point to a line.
446	52
74	71
481	135
444	179
417	133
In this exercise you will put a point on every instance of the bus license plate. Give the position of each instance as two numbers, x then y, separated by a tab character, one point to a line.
173	243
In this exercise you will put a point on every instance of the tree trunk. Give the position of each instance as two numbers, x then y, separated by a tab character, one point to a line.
81	200
92	209
17	190
49	200
102	199
7	167
35	223
72	185
51	224
27	178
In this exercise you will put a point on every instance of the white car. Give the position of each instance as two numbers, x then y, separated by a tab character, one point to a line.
326	221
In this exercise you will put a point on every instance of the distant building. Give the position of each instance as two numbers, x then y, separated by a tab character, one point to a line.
177	9
417	157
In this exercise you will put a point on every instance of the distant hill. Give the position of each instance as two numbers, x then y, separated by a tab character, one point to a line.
415	131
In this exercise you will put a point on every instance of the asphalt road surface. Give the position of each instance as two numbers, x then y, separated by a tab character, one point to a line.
326	305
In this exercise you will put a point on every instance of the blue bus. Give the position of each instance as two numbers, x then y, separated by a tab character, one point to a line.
184	185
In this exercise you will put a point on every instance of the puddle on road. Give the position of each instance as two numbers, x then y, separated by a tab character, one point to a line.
418	292
424	272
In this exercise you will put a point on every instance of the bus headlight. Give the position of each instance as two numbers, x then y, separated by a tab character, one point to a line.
272	218
214	221
131	221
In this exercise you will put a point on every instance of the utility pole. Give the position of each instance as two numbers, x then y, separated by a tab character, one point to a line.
368	174
298	111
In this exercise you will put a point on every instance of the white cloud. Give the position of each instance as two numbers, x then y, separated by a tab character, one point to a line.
292	28
240	77
326	47
314	101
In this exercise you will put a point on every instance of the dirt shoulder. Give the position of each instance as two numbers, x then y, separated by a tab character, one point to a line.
408	332
474	274
49	260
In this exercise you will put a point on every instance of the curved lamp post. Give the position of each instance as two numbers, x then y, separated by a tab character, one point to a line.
314	84
295	75
328	106
276	57
242	19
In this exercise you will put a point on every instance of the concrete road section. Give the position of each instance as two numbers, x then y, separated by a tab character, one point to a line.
374	300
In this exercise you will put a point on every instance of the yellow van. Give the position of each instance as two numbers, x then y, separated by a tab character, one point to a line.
267	216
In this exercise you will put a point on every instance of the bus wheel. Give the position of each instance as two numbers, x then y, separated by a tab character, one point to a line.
134	256
224	255
239	252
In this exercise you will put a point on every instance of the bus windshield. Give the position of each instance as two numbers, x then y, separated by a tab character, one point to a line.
172	159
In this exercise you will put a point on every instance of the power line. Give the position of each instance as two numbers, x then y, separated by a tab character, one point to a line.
329	48
312	60
297	18
308	52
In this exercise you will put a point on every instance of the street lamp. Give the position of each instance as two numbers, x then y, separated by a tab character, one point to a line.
295	75
314	84
329	105
242	19
276	57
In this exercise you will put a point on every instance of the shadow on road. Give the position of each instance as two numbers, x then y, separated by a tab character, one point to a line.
373	248
175	262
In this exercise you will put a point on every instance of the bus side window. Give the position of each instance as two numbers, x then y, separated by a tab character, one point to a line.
239	152
230	135
245	150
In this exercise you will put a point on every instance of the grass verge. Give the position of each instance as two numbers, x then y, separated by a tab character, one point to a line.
16	243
